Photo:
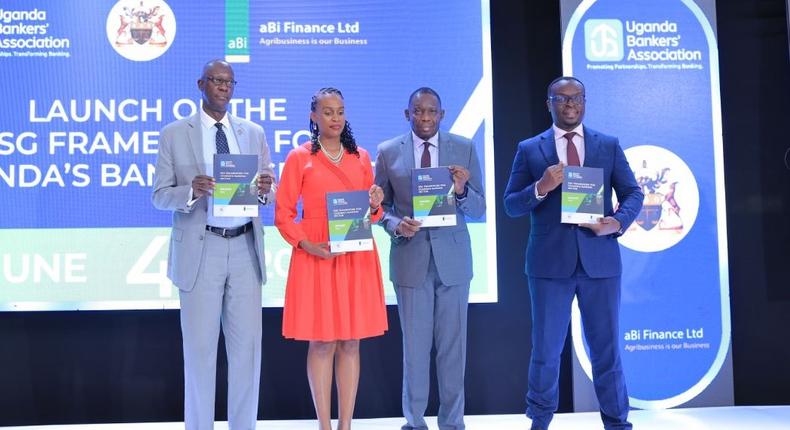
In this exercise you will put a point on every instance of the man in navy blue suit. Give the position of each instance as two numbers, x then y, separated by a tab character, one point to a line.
566	260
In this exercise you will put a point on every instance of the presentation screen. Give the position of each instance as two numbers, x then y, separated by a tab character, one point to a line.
88	87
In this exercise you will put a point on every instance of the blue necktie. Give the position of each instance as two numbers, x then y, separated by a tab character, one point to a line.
221	140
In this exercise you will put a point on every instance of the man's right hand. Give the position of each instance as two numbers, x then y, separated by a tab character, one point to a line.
551	179
202	185
408	227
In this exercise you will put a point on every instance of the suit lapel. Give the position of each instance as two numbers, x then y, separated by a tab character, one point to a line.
407	151
241	135
445	150
548	147
592	148
194	135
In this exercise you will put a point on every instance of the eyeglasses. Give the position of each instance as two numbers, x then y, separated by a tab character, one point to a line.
219	82
562	99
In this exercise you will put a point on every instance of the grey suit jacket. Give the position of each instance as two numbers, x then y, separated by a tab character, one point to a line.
451	246
180	159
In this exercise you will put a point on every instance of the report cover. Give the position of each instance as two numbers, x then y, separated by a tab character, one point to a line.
433	197
348	213
582	195
235	192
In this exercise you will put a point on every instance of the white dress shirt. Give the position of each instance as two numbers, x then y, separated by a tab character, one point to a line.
209	134
561	145
433	149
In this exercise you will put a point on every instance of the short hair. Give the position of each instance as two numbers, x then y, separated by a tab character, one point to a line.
425	90
211	64
564	78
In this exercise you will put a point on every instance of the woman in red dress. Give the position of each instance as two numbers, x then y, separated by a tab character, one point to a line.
331	300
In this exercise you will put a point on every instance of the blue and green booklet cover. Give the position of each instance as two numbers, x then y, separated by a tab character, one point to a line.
235	192
433	197
348	213
582	195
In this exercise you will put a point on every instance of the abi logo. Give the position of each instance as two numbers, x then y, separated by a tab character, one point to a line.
603	39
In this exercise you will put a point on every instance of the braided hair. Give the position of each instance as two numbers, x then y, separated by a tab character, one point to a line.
346	136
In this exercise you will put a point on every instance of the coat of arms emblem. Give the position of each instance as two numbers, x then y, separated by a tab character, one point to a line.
660	209
671	203
141	25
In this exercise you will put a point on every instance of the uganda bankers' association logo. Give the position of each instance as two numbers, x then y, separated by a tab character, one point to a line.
141	30
671	199
603	39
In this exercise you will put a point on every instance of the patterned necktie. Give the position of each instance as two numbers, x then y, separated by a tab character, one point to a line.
425	161
221	140
572	154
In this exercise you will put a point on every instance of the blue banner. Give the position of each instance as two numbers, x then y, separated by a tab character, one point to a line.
82	121
651	76
91	84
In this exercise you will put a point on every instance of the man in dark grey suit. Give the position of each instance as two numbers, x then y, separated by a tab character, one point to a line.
430	268
217	263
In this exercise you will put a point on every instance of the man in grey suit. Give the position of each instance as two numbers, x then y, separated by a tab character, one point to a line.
217	263
430	268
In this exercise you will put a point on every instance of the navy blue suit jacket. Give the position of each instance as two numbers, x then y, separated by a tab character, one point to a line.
554	248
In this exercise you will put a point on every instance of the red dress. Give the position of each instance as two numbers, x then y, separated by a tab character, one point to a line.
340	298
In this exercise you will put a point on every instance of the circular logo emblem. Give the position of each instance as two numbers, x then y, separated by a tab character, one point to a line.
671	199
141	30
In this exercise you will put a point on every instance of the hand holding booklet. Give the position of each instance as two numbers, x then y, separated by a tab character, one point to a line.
348	213
433	197
582	195
236	190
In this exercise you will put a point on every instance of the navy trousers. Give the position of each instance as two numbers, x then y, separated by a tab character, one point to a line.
599	304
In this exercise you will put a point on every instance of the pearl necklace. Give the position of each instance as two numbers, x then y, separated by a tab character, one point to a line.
333	158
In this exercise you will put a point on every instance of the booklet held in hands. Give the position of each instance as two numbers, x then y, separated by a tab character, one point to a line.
582	195
236	190
433	197
348	213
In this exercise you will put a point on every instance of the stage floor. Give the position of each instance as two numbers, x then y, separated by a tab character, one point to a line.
729	418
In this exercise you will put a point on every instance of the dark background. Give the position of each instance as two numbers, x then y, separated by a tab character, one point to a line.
86	367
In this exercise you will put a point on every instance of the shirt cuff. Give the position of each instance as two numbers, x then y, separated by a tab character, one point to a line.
538	196
192	198
462	197
396	234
